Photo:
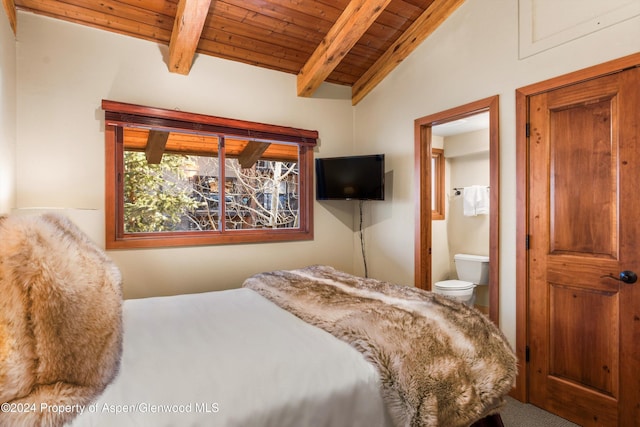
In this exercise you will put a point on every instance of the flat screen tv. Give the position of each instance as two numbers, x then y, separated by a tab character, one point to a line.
350	178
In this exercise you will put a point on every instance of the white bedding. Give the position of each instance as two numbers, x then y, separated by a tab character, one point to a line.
232	358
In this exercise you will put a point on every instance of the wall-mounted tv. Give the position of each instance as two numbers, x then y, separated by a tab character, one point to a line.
350	178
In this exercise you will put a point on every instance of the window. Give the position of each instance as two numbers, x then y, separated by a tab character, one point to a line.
181	179
437	183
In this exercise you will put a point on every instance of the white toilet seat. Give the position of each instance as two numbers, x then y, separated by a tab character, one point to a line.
458	289
455	285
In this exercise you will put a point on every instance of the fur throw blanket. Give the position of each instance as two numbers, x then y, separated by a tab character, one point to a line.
441	362
60	320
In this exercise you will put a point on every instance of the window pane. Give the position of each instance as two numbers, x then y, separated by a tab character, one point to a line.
265	194
177	194
434	183
437	183
206	191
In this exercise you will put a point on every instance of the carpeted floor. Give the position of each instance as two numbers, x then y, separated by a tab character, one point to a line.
518	414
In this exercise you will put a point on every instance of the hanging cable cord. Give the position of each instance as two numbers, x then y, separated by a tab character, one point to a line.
364	257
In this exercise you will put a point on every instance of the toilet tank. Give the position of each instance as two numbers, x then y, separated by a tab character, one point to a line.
472	268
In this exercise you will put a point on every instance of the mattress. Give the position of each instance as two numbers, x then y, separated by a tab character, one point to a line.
233	358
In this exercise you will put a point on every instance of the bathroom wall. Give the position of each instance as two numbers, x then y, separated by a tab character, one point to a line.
467	157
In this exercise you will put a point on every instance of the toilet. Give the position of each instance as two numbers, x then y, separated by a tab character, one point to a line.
473	270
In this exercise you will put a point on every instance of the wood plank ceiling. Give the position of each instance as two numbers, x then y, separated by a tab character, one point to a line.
348	42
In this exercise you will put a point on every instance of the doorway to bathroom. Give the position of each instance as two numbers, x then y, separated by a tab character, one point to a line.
429	258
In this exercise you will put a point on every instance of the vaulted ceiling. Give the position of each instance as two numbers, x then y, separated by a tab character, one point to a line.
348	42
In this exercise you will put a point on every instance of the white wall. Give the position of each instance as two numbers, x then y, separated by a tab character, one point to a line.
7	116
467	157
473	55
65	70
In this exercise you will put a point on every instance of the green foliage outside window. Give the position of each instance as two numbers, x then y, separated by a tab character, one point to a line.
155	195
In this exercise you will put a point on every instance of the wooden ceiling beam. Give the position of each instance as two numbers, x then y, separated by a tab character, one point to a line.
10	10
156	143
252	153
422	28
187	28
345	33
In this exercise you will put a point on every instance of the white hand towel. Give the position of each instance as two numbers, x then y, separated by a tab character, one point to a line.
469	200
482	200
475	200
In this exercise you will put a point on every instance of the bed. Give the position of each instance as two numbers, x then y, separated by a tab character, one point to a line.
306	347
233	358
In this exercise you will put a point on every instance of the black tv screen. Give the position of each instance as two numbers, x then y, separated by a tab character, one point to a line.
350	178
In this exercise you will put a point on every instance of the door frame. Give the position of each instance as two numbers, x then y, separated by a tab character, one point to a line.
422	168
521	391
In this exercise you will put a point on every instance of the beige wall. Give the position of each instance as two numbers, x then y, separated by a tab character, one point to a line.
467	157
7	116
473	55
65	70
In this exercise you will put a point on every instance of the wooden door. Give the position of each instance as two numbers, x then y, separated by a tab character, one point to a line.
584	230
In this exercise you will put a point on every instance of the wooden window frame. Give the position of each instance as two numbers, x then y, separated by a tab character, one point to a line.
119	115
438	177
